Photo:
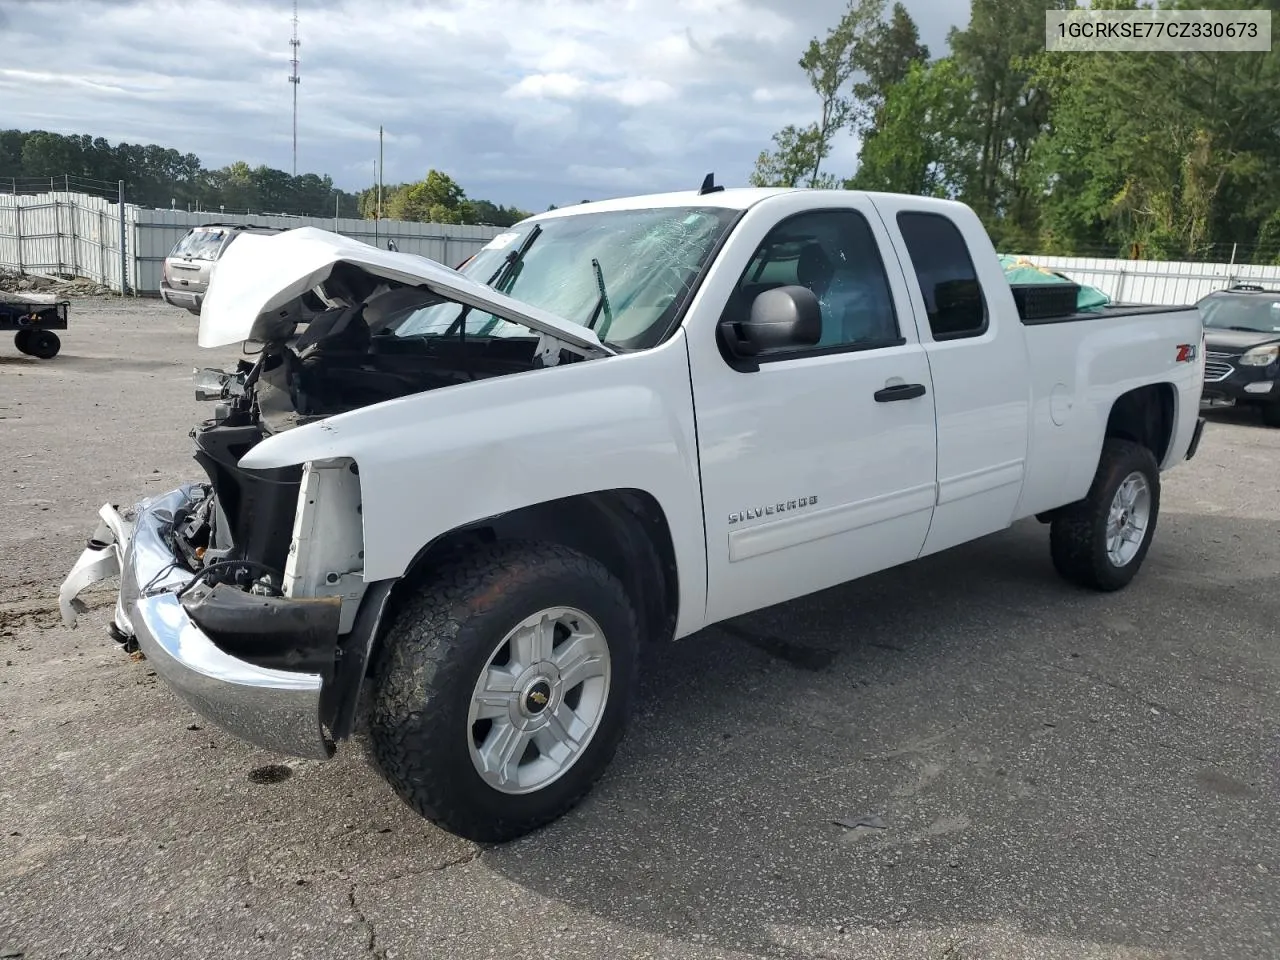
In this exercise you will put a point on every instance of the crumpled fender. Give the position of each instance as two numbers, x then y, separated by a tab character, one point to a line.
432	462
100	560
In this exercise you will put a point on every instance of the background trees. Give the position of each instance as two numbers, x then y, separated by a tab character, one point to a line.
156	176
1135	154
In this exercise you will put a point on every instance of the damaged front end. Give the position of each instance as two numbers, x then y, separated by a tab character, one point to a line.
226	587
253	663
246	591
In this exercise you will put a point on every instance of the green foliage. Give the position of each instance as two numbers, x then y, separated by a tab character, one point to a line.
1135	154
156	176
829	64
796	155
1191	166
885	58
437	198
919	144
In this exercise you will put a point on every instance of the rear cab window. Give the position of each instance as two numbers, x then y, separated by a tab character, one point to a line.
200	245
944	269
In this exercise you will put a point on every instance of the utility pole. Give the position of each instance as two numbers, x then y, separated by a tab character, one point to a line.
379	171
124	247
294	80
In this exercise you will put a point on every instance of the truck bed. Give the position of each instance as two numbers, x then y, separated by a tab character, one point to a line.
1113	311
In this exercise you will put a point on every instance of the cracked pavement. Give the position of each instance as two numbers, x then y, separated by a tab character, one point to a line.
1055	773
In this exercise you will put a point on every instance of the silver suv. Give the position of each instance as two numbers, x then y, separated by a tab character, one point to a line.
184	278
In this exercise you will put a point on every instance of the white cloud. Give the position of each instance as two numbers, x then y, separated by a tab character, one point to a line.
524	101
550	86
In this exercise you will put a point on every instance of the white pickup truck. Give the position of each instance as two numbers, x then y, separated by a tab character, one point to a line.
462	500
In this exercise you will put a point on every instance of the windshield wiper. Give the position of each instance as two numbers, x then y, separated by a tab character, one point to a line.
602	304
505	275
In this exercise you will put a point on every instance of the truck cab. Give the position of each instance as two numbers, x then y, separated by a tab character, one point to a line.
462	500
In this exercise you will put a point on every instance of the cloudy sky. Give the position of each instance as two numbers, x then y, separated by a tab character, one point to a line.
528	102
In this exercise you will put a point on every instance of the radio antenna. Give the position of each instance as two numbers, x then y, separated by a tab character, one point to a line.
294	80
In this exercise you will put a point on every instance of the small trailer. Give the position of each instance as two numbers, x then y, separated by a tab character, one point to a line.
35	317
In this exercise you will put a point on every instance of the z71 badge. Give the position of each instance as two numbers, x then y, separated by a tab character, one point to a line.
1187	353
782	506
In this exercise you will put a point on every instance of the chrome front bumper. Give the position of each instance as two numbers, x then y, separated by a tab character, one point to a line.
276	710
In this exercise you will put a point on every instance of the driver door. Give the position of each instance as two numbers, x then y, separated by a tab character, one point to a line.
819	466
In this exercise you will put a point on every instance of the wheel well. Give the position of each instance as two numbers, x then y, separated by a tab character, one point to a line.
1145	416
625	530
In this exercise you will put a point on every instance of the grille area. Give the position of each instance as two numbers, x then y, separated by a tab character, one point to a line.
1217	367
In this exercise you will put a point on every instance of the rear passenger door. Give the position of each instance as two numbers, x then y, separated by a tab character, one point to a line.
978	363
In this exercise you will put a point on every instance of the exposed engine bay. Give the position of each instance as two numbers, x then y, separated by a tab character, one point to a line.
349	354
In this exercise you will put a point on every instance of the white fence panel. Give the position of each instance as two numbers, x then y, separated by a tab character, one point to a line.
79	234
157	231
67	234
1158	282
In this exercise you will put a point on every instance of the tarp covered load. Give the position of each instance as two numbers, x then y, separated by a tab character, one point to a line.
1022	270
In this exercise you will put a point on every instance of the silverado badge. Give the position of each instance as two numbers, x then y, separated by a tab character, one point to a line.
782	506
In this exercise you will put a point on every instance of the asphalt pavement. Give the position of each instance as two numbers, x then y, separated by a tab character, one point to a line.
959	758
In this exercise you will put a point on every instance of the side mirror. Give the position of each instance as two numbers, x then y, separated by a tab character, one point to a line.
781	317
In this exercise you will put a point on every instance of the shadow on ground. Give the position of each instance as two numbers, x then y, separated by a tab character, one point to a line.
71	363
1095	769
1235	416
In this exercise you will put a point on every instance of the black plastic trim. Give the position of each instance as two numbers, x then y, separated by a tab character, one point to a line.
901	391
339	699
1106	313
1195	438
281	633
752	364
260	505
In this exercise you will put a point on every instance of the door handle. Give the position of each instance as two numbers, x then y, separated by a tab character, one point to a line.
900	391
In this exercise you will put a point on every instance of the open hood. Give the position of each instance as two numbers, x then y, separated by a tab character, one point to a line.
257	281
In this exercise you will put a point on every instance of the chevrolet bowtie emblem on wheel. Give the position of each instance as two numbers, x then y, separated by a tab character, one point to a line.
782	506
538	697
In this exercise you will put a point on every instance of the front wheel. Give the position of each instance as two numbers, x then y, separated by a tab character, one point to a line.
504	687
1101	541
1271	414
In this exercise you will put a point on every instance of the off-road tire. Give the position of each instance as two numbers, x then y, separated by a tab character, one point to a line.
440	640
1078	534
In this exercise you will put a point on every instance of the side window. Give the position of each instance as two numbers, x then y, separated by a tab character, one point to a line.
948	281
834	254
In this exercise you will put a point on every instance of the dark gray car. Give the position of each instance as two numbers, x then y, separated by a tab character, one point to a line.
185	277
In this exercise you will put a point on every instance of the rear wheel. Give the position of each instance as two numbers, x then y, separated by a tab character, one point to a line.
503	689
22	339
1101	541
43	344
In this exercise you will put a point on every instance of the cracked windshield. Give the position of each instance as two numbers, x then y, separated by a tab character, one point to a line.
623	274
